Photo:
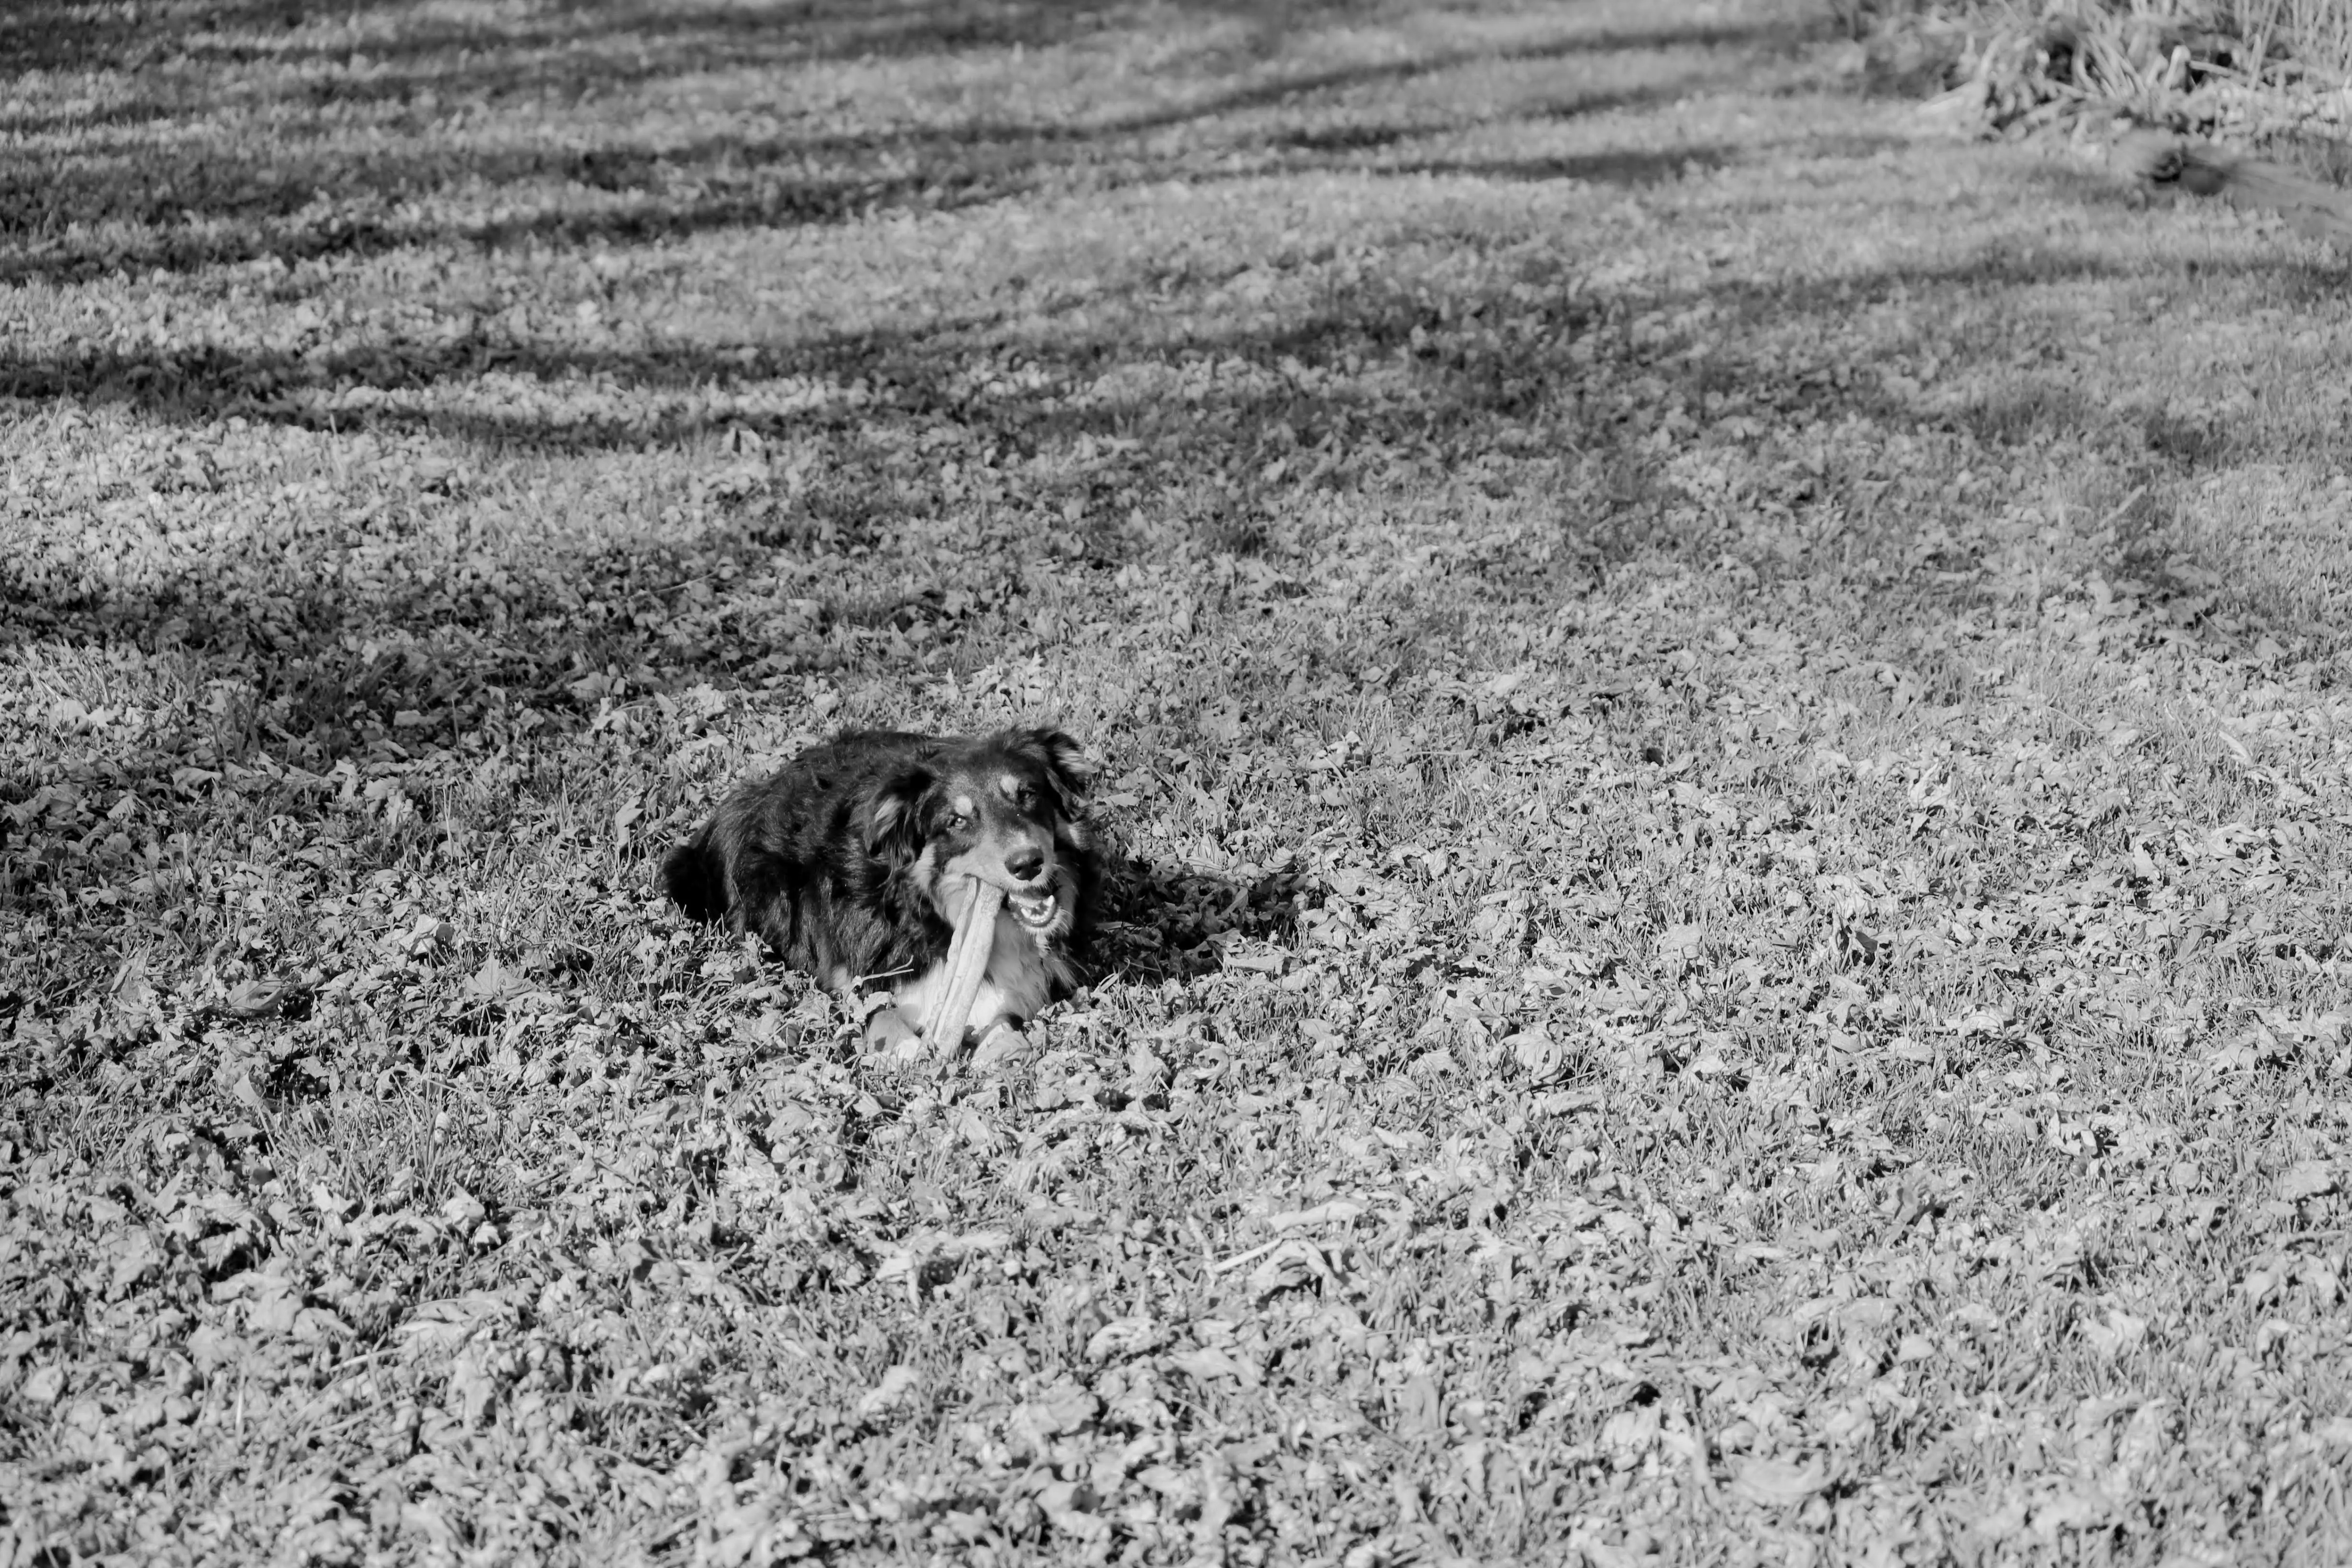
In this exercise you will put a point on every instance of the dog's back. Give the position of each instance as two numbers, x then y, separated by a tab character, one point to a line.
775	839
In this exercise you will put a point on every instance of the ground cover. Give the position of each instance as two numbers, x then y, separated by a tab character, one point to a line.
1729	720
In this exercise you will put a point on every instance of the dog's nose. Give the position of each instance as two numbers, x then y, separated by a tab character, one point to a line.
1026	864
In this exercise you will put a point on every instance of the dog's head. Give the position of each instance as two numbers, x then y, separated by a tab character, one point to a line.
1001	809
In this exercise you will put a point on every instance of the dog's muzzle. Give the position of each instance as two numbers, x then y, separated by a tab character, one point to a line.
1037	911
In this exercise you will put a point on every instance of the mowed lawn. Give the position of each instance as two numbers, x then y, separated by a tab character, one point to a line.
1730	724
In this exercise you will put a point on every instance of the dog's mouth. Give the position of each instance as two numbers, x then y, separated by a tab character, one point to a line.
1036	911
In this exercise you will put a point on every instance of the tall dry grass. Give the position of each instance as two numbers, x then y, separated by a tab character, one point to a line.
2303	43
2314	34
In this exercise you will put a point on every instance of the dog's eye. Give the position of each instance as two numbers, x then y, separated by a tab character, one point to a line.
1025	797
958	821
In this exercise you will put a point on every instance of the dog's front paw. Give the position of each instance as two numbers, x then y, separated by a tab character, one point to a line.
888	1034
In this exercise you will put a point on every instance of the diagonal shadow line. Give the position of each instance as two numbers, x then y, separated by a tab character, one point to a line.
204	384
492	79
1142	123
190	247
185	246
1289	89
799	204
850	30
913	369
62	36
621	164
995	173
409	175
1624	168
659	34
515	67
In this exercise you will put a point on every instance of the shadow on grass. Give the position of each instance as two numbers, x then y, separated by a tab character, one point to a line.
1170	921
1479	388
1465	394
580	45
609	44
312	183
70	35
1627	169
631	196
2040	410
619	197
913	371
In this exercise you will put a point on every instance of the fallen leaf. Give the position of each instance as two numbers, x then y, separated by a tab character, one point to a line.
2114	1333
1779	1483
897	1383
2308	1179
1125	1337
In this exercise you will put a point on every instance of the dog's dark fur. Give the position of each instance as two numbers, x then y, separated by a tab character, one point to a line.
852	861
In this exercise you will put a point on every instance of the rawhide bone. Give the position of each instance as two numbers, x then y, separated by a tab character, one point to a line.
967	961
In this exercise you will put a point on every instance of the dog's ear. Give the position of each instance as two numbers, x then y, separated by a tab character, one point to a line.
894	817
1056	752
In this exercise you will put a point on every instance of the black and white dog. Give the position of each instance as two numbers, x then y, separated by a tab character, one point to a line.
854	861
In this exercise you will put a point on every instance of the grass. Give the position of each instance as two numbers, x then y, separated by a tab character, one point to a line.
2272	72
1727	724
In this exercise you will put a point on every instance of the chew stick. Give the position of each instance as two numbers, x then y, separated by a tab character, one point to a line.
967	961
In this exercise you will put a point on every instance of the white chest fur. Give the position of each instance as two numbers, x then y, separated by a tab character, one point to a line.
1017	983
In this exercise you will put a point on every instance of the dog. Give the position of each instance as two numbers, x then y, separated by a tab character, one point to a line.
853	862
